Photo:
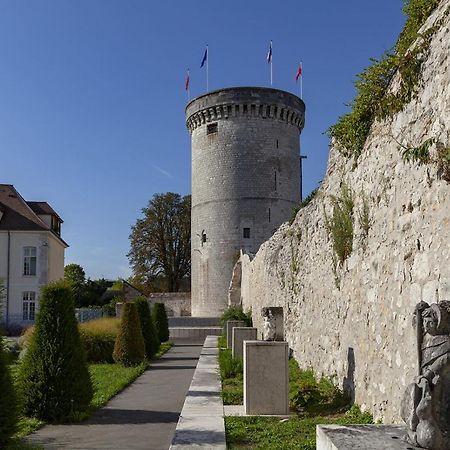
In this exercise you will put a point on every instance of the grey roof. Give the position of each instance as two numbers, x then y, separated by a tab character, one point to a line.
19	215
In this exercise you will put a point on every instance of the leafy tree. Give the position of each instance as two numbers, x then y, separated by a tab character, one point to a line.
74	274
95	291
161	322
161	241
53	377
148	327
8	413
129	348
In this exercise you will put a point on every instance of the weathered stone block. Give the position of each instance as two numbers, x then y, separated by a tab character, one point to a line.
230	325
266	378
351	437
239	335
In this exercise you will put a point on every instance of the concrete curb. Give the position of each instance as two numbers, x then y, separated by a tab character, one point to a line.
201	423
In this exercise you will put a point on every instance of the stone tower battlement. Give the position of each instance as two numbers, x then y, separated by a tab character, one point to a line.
245	181
236	102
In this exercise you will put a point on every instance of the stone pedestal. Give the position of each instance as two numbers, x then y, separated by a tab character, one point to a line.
230	325
266	376
352	437
239	335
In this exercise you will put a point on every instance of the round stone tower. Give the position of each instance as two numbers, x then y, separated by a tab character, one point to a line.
245	181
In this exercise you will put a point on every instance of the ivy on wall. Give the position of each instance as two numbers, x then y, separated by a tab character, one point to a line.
373	101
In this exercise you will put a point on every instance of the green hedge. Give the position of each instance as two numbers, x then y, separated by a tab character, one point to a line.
53	378
161	322
147	327
129	348
8	413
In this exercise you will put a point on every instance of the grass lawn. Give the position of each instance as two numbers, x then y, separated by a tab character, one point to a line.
269	433
315	401
107	379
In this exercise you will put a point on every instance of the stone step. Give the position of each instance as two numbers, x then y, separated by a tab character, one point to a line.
194	332
194	321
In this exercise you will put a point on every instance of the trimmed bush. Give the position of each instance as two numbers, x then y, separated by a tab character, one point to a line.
129	348
54	377
161	322
99	337
147	327
8	415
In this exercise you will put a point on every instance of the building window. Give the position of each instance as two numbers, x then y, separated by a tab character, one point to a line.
246	233
275	180
211	128
269	214
29	305
277	143
29	261
203	237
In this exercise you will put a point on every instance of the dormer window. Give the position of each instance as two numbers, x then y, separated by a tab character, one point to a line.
56	225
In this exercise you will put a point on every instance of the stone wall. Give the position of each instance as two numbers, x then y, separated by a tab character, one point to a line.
355	321
177	303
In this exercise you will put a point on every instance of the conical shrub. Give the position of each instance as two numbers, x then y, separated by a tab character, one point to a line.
54	377
147	327
161	322
8	413
129	348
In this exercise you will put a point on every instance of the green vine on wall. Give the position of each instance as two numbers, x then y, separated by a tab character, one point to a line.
372	100
340	224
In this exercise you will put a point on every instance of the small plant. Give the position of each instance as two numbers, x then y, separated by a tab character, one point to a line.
419	154
147	327
129	348
302	204
53	377
235	313
364	217
229	367
161	322
307	394
340	225
8	411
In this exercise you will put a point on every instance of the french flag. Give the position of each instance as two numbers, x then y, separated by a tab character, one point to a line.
299	72
205	57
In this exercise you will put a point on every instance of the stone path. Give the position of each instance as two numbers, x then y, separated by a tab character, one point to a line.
143	416
201	424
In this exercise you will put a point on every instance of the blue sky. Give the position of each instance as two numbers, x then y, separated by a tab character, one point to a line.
92	95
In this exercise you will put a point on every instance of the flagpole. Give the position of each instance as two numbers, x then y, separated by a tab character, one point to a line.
301	81
207	68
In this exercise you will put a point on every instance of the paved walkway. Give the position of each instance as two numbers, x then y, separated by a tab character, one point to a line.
143	416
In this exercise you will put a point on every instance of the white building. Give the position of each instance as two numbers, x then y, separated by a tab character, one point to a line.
31	253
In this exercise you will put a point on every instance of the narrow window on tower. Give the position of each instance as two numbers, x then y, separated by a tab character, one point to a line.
269	214
277	143
275	180
211	128
246	233
203	238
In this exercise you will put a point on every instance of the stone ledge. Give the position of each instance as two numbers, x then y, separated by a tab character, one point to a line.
201	423
363	437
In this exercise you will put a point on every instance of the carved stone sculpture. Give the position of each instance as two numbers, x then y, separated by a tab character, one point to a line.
426	403
269	328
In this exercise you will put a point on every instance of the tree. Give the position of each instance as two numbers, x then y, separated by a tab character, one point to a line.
129	348
74	275
161	322
8	411
54	377
148	327
161	241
